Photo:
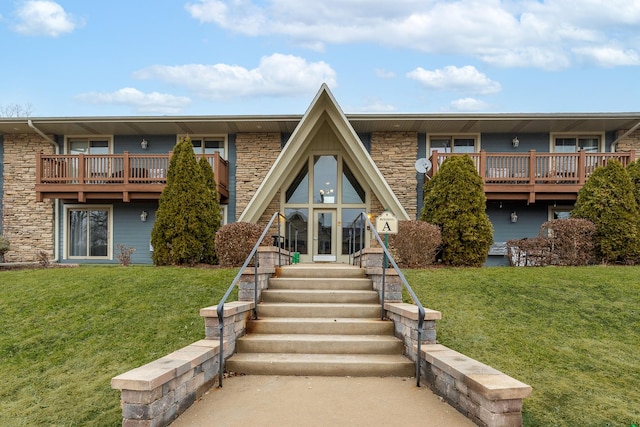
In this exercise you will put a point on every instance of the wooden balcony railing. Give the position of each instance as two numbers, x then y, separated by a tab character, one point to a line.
533	175
103	176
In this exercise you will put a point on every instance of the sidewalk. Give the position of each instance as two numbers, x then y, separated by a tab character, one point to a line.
320	401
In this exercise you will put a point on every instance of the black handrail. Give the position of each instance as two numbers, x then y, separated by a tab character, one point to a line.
387	257
220	309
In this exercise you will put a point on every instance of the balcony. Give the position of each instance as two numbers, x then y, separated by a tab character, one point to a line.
534	176
114	177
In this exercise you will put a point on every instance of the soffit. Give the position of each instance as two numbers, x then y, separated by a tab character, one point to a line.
361	123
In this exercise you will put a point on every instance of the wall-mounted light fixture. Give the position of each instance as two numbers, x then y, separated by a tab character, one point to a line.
143	216
144	144
514	216
515	142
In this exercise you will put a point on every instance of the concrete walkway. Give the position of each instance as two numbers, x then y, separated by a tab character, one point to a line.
320	401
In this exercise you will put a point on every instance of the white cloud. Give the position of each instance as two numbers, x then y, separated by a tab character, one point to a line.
609	56
465	79
375	105
276	75
154	102
44	18
384	74
469	105
516	33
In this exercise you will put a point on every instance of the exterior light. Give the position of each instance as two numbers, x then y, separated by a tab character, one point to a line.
515	142
144	144
143	216
514	216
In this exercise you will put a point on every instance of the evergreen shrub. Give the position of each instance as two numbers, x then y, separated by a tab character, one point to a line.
215	218
416	244
607	199
235	241
455	201
634	173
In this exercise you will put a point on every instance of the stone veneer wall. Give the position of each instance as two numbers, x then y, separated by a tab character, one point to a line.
27	224
630	142
256	153
395	154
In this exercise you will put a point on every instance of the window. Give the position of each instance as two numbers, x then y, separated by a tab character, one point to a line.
559	212
452	144
203	145
575	143
88	232
89	145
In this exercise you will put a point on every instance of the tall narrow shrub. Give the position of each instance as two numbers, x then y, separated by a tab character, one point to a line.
215	219
454	200
607	200
183	222
634	173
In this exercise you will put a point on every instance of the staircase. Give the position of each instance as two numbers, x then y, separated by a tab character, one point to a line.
320	319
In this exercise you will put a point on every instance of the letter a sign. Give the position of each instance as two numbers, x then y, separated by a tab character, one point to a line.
387	223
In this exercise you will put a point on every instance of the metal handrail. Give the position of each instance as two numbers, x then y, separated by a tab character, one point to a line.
388	258
220	309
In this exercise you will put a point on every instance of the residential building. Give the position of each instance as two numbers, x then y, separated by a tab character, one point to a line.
76	187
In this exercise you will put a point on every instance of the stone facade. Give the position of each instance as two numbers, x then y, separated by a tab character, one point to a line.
630	142
26	223
256	153
395	154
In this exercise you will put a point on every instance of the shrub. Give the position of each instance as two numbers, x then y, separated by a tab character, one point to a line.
124	254
43	259
572	241
235	241
529	252
607	200
416	244
215	218
455	201
634	173
183	232
4	247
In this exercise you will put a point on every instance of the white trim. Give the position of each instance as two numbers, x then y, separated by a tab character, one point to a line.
477	146
551	209
223	136
65	226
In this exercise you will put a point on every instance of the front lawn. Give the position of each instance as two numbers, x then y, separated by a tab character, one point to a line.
64	333
573	334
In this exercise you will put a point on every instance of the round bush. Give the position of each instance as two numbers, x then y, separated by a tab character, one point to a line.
234	242
416	244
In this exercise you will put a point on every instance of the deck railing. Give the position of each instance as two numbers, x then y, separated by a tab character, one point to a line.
124	168
535	168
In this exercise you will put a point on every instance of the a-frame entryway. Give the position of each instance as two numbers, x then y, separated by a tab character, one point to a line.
322	179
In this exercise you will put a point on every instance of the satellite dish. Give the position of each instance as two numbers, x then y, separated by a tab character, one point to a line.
423	165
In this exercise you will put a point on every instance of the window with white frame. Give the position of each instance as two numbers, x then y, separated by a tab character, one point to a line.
452	144
203	145
88	232
89	145
560	212
575	143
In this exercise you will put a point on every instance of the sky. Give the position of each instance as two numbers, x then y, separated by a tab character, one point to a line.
251	57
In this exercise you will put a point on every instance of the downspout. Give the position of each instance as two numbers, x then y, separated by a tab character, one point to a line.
56	204
614	144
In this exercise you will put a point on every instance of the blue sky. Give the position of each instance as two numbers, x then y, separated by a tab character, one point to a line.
229	57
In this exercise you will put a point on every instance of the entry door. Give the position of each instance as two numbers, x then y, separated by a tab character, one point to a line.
324	235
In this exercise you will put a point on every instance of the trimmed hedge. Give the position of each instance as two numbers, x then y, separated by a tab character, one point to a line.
416	244
235	241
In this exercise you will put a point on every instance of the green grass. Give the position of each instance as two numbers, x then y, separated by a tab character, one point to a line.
573	334
64	333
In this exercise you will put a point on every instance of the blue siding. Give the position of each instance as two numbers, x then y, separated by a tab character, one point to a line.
502	142
158	144
130	231
1	178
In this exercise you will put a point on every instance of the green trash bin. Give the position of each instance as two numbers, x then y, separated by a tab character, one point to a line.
296	258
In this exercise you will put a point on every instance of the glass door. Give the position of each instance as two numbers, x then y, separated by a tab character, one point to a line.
324	239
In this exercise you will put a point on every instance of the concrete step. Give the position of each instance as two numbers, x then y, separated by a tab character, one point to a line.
321	271
319	296
353	284
273	309
319	344
355	365
297	325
